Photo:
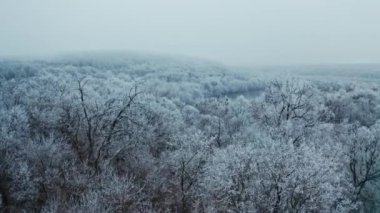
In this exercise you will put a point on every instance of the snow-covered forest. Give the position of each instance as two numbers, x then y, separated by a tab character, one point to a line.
133	133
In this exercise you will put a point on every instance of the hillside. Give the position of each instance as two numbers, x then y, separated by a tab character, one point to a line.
145	133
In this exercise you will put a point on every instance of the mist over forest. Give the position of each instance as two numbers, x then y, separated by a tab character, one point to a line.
175	106
148	133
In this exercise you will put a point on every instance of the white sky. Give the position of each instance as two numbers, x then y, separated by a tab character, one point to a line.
236	32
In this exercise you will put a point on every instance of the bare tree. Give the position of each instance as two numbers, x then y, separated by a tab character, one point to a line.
285	103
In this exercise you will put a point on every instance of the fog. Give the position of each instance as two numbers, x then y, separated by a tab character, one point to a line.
241	32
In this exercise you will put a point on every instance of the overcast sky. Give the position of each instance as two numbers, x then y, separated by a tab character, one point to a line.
236	32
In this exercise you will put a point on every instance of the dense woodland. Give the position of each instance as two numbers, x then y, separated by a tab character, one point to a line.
155	134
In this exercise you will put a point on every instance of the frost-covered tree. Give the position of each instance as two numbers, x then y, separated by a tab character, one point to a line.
273	177
286	110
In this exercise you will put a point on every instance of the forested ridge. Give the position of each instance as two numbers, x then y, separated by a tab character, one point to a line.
155	134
